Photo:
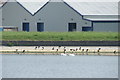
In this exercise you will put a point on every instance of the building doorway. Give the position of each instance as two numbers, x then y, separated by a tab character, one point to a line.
72	27
26	27
40	27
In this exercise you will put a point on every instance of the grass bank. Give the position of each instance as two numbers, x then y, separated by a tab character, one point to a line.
59	36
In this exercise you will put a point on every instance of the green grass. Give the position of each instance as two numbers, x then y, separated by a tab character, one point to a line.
59	36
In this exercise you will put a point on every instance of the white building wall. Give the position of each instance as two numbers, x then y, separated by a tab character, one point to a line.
101	17
105	26
14	15
54	15
57	15
0	16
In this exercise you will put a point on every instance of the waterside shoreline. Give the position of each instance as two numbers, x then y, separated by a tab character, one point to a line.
58	50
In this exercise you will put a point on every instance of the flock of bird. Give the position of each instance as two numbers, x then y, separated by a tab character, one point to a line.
64	50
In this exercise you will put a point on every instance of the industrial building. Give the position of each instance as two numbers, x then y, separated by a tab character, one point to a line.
61	15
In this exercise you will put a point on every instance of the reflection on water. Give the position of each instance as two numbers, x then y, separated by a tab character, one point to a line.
55	66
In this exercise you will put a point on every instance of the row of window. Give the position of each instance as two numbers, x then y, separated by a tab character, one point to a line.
72	27
40	27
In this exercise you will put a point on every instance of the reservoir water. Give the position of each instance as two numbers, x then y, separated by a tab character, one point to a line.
56	66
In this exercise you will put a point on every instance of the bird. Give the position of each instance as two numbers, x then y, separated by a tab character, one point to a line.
42	48
16	50
64	51
98	50
114	52
59	46
71	49
63	54
56	50
71	54
76	49
23	51
79	48
87	50
53	48
82	50
36	47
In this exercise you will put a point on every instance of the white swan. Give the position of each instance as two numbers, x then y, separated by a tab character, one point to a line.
71	54
62	54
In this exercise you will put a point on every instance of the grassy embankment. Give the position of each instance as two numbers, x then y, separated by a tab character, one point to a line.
59	36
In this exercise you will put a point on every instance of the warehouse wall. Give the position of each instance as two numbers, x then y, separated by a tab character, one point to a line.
57	15
106	26
14	15
0	16
54	15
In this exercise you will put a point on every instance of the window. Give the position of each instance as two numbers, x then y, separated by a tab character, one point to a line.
71	26
26	27
40	27
86	28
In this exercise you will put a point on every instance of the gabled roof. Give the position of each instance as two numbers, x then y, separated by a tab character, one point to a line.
92	0
87	8
32	6
2	2
102	18
84	7
94	8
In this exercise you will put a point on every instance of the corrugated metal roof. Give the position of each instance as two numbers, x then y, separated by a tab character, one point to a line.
102	17
92	0
91	7
32	6
84	7
94	8
2	2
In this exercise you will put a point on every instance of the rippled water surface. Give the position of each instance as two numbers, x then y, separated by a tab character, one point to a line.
52	66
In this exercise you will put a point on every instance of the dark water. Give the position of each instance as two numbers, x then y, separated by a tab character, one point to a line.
51	66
